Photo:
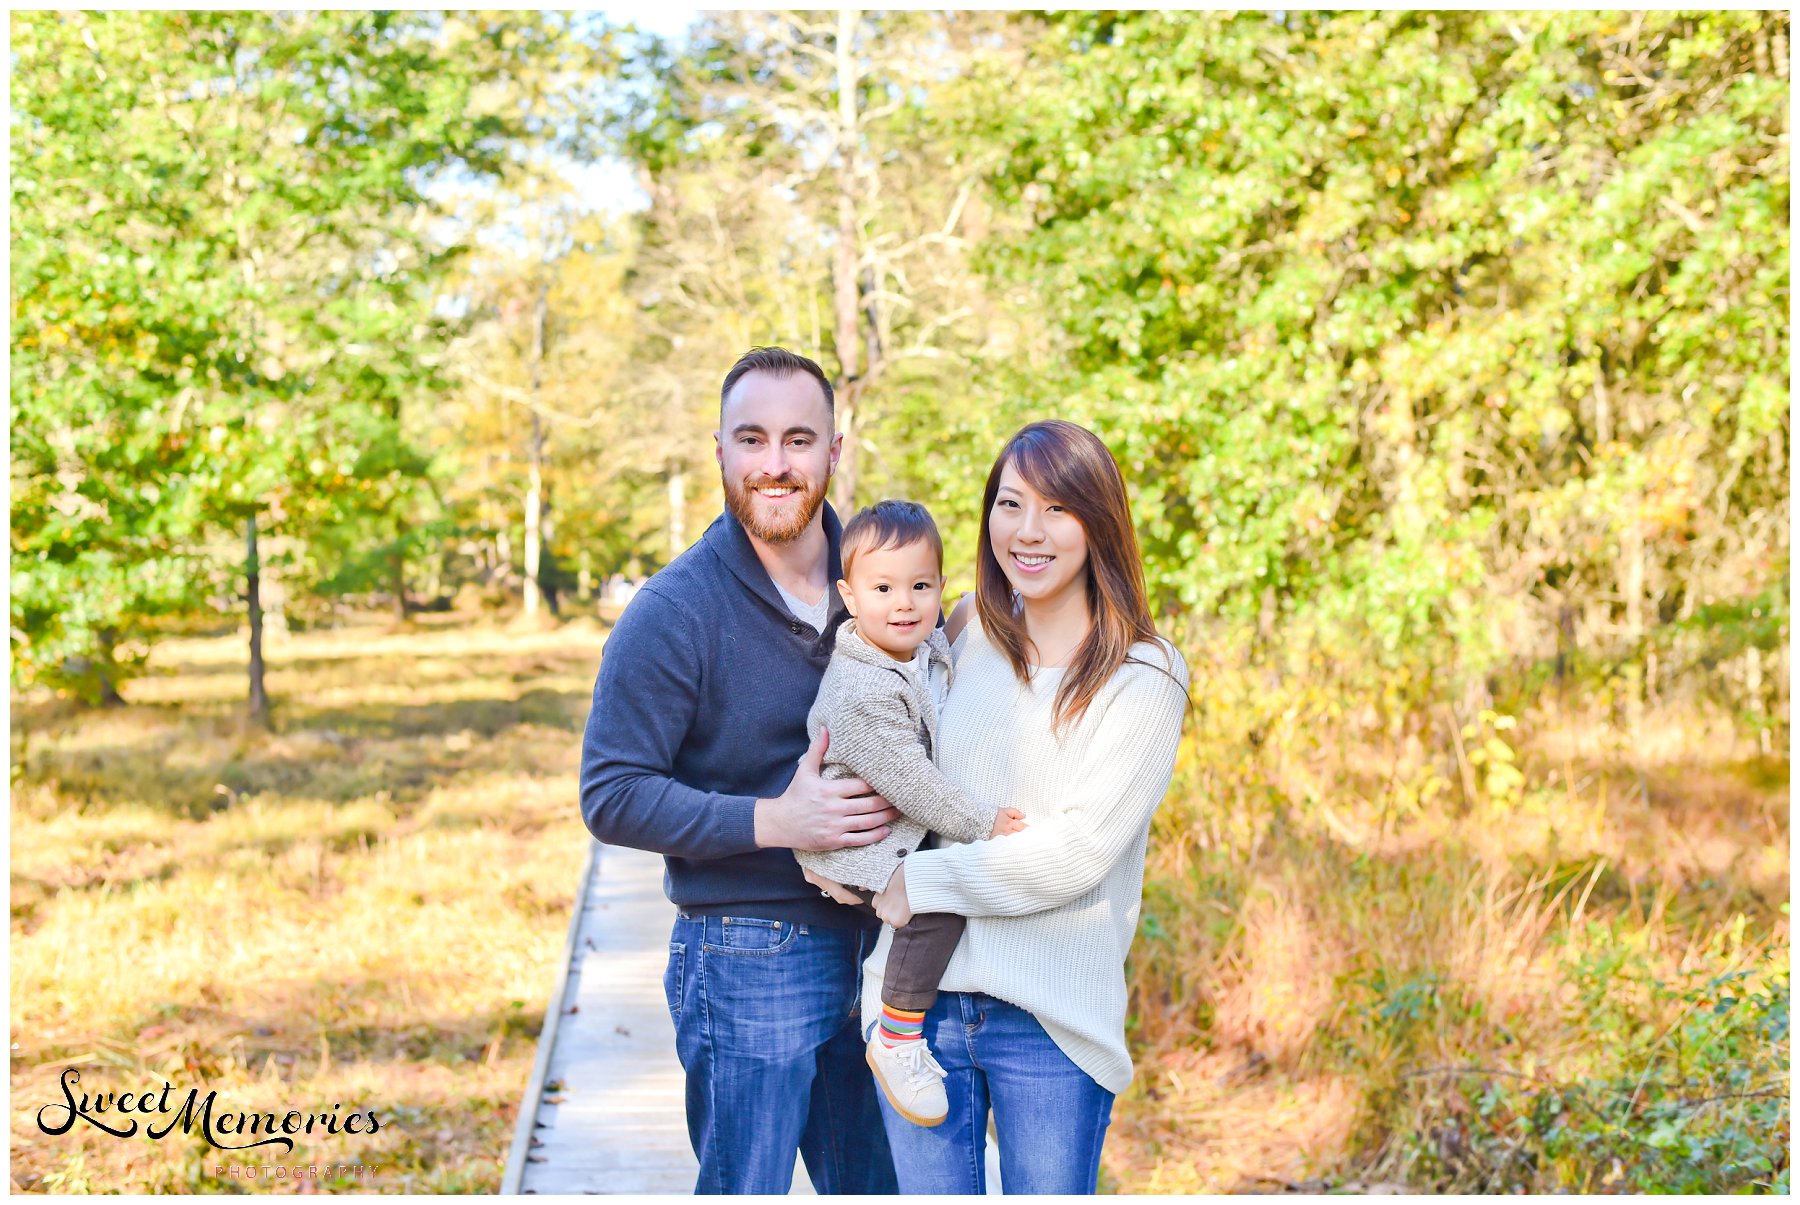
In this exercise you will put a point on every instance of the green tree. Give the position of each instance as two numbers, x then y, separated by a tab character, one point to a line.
798	196
1442	334
223	293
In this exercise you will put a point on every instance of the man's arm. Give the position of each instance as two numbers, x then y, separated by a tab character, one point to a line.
645	700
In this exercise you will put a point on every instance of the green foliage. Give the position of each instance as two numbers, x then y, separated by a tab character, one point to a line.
1417	329
223	290
1700	1106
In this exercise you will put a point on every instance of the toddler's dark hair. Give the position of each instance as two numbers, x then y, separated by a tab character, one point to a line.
890	523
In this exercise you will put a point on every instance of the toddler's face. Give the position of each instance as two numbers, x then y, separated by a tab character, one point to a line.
894	595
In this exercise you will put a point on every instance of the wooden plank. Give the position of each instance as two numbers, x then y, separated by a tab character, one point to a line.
523	1126
617	1122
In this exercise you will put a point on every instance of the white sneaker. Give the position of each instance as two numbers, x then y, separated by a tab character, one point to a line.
911	1080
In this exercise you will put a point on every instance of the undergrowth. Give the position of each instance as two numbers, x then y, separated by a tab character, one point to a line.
1550	954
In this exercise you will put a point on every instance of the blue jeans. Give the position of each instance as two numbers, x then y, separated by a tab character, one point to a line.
766	1029
1050	1117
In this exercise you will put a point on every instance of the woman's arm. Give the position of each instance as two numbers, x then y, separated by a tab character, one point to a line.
1062	856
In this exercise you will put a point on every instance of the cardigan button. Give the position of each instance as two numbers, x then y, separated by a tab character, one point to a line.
794	628
900	853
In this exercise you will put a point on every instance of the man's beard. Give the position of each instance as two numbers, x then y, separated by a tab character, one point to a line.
740	500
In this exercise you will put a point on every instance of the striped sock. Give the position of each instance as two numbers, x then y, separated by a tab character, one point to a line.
898	1025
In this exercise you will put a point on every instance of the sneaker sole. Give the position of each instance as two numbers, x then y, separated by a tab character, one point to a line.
881	1083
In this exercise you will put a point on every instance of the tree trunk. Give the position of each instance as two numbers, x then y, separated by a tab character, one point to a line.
1631	586
677	510
397	571
397	566
1602	411
534	493
534	514
106	671
546	574
259	696
843	270
1753	691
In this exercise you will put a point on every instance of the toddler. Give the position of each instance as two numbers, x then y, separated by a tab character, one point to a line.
879	700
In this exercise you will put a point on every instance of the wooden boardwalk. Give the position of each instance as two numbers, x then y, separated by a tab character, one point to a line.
603	1109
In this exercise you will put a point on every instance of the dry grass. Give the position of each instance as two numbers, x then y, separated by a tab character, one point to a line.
372	919
365	908
1340	956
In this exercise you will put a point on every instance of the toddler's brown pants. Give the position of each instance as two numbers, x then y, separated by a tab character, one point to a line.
918	956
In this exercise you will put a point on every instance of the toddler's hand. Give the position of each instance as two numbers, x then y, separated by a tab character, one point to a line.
1008	820
830	887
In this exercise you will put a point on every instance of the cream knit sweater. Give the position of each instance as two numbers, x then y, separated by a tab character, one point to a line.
1052	910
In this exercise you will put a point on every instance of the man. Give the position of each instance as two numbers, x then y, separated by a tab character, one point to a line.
696	748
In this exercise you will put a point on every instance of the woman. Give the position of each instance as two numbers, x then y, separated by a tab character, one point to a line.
1067	705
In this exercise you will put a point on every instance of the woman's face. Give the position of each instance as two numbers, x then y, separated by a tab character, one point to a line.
1041	547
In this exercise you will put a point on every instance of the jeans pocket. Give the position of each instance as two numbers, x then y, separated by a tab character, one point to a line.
749	936
673	977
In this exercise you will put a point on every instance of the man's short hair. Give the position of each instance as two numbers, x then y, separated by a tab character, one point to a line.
777	362
889	524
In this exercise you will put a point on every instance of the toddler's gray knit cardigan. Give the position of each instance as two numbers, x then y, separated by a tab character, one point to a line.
884	731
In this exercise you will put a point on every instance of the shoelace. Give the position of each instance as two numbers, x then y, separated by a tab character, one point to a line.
921	1068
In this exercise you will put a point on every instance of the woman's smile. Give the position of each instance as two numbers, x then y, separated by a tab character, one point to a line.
1040	544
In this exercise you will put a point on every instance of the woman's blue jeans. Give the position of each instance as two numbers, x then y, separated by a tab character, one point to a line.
1050	1117
766	1028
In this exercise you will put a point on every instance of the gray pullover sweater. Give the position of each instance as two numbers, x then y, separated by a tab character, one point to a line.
884	731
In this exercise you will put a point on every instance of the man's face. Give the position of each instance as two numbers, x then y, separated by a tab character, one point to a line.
776	452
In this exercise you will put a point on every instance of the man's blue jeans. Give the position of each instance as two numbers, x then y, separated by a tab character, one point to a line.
1050	1117
766	1028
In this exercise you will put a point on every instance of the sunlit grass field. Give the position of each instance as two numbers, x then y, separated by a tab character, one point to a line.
363	909
1351	972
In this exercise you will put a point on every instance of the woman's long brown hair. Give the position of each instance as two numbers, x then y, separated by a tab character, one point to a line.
1069	465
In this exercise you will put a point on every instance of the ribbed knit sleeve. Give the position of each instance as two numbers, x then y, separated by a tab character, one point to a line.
1119	778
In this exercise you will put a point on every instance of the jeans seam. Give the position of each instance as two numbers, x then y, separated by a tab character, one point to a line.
977	1137
835	1147
706	1041
1097	1145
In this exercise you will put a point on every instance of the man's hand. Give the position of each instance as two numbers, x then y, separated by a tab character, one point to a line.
831	887
890	902
816	813
1008	820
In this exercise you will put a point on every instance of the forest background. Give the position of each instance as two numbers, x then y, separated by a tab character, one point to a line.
1446	355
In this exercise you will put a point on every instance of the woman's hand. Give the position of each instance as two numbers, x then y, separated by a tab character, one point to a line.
831	887
890	902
